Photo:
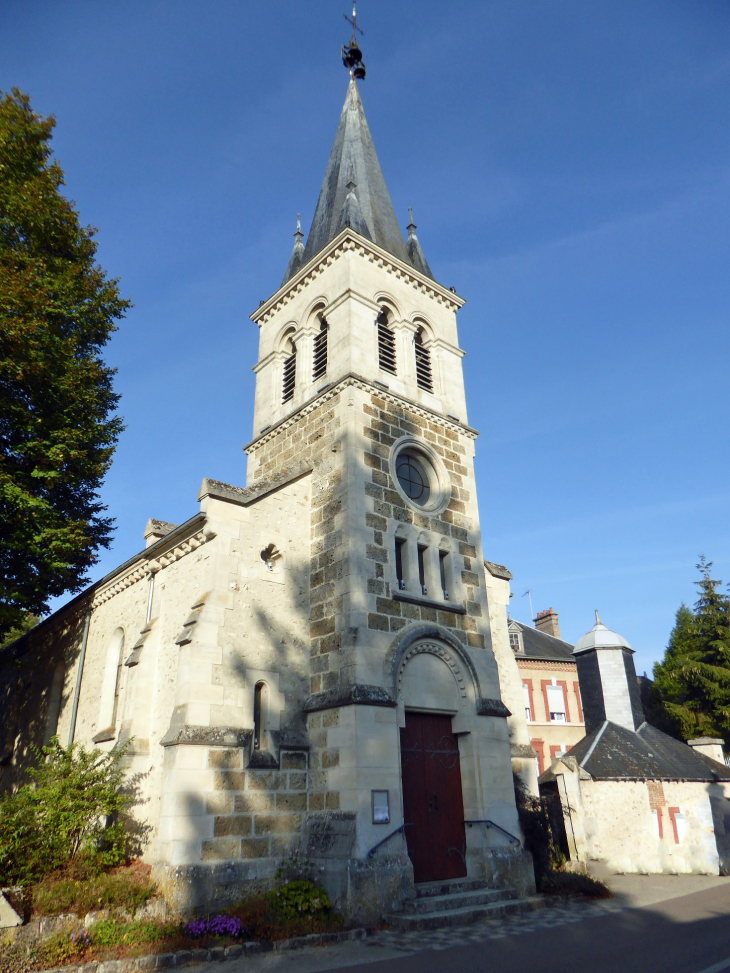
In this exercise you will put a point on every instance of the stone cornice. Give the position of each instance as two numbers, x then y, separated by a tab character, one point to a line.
186	538
358	382
349	241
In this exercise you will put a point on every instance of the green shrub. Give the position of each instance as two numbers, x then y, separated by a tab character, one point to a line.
573	883
73	810
299	898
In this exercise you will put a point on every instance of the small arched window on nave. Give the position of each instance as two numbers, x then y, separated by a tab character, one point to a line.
110	687
424	375
260	716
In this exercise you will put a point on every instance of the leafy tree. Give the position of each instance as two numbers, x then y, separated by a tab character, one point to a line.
57	428
24	624
73	810
691	691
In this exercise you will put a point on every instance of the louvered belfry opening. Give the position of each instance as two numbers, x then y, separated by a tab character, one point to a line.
386	344
290	375
424	377
320	351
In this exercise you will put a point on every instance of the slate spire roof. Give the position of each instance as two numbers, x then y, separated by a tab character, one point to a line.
354	194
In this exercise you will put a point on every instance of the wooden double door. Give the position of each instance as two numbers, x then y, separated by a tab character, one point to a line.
433	808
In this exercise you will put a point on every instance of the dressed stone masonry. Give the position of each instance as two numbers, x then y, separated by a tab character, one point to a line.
264	657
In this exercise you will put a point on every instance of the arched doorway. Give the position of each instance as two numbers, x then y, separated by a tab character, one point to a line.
431	691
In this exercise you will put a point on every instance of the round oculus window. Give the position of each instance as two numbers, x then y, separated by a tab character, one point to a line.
413	477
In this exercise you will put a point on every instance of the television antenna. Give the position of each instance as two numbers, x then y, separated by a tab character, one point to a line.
529	595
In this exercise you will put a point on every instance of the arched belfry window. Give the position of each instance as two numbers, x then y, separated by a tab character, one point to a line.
290	370
424	376
386	343
260	716
320	350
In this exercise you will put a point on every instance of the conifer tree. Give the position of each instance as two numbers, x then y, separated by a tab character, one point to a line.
57	424
691	691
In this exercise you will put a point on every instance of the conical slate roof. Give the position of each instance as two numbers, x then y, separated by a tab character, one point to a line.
354	192
600	637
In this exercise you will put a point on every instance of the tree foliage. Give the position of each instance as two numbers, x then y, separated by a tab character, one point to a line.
691	691
57	424
74	809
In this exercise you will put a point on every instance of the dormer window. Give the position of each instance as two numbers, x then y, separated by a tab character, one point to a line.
424	377
386	344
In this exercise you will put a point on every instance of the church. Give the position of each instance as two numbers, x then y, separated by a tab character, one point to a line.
318	660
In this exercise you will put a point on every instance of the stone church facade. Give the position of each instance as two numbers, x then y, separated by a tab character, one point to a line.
319	660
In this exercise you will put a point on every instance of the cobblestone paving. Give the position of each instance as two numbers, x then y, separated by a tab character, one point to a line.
551	915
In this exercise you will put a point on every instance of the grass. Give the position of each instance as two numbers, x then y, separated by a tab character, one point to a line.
79	889
267	916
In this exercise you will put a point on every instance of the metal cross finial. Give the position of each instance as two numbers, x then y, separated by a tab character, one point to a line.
354	20
351	53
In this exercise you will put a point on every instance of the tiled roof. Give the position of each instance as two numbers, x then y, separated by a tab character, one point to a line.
613	752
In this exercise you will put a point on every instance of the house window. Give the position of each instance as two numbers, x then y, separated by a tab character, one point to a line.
528	703
386	344
514	641
320	351
424	377
290	374
556	704
656	815
260	715
679	824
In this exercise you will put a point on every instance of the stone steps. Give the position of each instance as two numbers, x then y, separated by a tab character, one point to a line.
459	903
456	900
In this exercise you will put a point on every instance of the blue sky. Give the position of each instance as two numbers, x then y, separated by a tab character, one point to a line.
568	164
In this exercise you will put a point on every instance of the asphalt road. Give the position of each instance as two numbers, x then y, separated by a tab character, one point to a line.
680	934
690	934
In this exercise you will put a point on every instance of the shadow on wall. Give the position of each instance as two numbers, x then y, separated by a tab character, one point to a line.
32	692
720	805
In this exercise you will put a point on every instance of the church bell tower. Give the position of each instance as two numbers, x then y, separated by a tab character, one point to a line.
359	384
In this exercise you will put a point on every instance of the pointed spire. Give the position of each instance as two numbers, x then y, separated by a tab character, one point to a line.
295	261
413	248
369	211
598	617
353	158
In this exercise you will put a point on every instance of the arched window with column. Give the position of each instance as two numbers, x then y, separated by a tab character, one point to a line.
424	374
319	364
386	343
288	350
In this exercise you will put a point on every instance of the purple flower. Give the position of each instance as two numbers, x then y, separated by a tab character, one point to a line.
221	925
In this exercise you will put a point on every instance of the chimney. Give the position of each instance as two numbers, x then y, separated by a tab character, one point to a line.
547	622
710	746
609	688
